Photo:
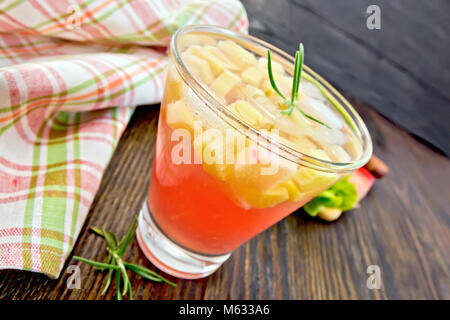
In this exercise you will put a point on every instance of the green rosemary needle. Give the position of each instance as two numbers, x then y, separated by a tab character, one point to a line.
116	266
298	68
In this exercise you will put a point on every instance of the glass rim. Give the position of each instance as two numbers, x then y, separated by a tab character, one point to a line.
283	150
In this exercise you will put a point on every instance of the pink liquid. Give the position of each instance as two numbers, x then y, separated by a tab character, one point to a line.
194	209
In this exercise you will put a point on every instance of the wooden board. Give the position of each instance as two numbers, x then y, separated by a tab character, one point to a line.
402	226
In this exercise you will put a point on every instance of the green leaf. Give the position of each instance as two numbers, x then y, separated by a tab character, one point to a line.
127	238
341	196
99	265
329	199
134	267
272	80
130	290
313	207
334	103
115	250
110	239
115	238
346	191
109	259
312	118
118	295
125	279
122	269
294	93
147	276
98	232
137	268
108	282
300	69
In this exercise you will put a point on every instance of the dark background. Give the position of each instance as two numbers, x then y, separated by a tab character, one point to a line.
401	70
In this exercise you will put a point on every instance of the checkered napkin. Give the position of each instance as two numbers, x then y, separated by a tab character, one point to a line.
70	74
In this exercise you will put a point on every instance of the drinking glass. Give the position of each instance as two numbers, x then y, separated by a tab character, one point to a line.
197	213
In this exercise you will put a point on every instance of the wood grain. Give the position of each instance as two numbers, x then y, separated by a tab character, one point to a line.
402	226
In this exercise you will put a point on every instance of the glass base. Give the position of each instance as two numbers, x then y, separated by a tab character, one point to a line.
170	257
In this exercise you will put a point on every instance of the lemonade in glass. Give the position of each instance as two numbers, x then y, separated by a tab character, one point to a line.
232	157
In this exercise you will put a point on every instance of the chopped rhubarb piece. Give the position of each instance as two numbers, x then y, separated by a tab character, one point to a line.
363	181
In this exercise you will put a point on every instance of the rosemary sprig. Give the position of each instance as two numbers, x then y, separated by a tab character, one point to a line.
298	68
334	103
115	265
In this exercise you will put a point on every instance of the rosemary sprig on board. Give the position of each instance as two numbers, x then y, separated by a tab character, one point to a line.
116	266
298	68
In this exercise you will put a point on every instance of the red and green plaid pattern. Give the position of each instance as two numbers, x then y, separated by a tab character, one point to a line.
70	74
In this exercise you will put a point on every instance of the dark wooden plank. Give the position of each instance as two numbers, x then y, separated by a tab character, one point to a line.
399	70
403	226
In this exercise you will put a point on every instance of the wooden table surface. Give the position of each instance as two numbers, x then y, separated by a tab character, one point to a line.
402	226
